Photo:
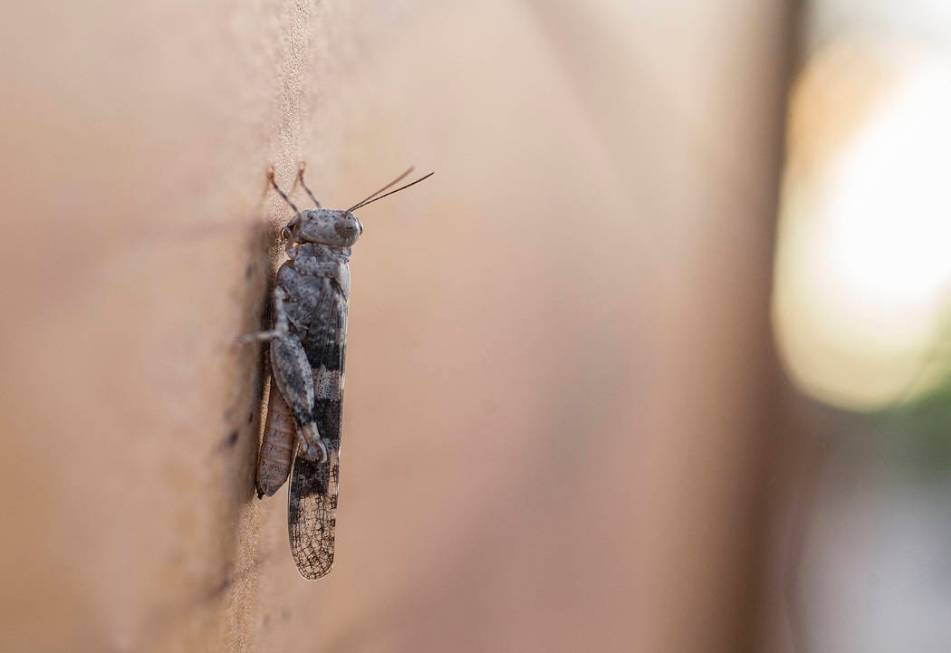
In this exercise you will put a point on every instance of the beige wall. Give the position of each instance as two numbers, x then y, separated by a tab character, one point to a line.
558	373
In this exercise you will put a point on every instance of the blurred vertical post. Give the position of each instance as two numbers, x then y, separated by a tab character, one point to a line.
560	378
591	341
712	413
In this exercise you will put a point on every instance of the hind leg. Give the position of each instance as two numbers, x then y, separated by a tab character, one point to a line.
294	380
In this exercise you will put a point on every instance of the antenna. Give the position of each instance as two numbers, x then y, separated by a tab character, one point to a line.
375	193
376	196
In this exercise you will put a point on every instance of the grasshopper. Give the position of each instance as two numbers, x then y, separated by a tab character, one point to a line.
307	351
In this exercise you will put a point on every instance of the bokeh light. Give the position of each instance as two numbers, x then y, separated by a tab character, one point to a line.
863	270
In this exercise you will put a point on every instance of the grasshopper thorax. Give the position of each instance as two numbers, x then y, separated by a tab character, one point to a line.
331	227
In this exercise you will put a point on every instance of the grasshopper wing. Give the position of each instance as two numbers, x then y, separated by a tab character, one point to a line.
312	514
312	499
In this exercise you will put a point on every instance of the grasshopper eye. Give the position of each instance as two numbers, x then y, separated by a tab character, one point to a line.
346	229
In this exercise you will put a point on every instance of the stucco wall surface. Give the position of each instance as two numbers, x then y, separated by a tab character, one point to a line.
556	378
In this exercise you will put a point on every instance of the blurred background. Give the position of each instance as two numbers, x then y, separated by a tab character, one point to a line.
860	314
656	361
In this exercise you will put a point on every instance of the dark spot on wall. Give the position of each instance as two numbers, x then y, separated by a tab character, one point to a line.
232	439
250	417
219	589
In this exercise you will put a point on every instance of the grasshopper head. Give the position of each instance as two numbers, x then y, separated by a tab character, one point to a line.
331	227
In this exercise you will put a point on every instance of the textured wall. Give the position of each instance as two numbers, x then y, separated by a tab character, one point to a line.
556	386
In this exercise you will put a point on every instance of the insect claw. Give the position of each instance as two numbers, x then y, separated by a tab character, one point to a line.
256	337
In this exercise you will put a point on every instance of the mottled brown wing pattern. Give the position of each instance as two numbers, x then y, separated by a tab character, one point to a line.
312	514
277	446
312	500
